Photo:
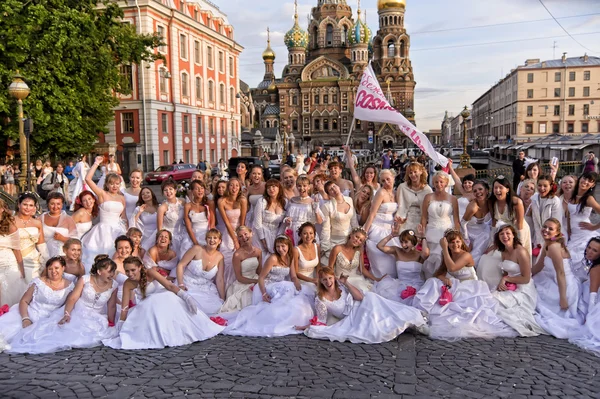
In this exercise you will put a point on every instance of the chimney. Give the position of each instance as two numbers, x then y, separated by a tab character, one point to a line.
531	61
544	64
585	58
564	58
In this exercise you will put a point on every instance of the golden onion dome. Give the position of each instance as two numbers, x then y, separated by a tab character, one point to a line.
272	87
383	4
268	54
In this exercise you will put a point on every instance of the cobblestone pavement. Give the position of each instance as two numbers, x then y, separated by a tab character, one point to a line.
297	367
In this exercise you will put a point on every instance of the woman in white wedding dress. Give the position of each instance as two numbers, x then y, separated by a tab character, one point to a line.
558	288
86	210
409	266
196	217
438	214
113	223
162	256
170	215
364	317
12	271
339	219
278	306
347	259
231	213
306	257
255	191
79	184
132	193
31	233
58	226
247	262
73	266
302	208
459	306
159	318
516	293
200	273
410	196
379	224
85	320
269	213
476	221
43	296
145	217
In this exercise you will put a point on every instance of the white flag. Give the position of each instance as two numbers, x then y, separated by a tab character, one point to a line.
371	105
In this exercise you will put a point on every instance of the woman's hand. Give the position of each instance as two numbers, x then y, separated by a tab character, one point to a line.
266	297
564	304
66	319
26	323
381	278
444	243
587	226
502	285
343	279
60	237
99	159
445	280
183	287
298	285
236	244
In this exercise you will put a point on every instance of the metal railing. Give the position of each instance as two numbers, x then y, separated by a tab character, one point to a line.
564	168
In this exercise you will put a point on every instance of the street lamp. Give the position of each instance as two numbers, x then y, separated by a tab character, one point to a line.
19	90
465	160
284	123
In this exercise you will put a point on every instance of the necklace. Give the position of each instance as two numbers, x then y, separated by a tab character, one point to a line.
54	286
25	222
304	198
102	288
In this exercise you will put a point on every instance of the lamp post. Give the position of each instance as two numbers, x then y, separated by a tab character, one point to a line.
19	90
284	124
465	160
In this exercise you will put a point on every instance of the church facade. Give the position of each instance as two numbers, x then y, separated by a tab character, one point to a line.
312	102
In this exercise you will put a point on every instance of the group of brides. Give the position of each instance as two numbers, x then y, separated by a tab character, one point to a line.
254	258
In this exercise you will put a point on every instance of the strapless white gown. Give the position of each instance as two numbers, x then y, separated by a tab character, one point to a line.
199	227
239	295
352	270
12	285
83	228
201	286
381	227
32	259
227	245
130	203
579	239
439	220
162	319
101	238
410	274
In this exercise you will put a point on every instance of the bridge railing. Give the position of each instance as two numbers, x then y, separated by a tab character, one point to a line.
564	168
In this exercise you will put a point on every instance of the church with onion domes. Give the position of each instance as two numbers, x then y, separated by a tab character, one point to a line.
312	102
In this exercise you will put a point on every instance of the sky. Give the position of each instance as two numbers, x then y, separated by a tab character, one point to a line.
459	49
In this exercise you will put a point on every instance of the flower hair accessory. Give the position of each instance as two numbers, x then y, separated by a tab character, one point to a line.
411	232
499	177
529	161
451	231
281	236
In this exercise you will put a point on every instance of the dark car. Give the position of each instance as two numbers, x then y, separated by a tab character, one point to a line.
177	172
272	172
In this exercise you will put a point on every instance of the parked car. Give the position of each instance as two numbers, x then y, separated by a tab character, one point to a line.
273	171
176	172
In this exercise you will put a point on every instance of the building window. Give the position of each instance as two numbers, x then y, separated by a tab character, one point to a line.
198	88
165	123
200	155
329	35
585	127
317	124
166	157
213	156
126	77
211	91
231	97
586	75
571	76
571	109
586	109
295	125
162	80
221	62
557	76
555	128
529	128
199	123
335	100
184	84
334	124
294	100
530	78
530	93
186	124
570	127
325	99
160	30
187	156
211	126
222	126
557	110
586	91
209	56
233	127
325	124
196	51
222	94
543	127
231	69
127	126
316	99
571	92
183	46
557	92
529	110
391	49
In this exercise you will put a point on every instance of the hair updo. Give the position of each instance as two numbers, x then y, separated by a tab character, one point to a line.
102	262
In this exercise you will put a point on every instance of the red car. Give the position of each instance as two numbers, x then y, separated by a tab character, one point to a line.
178	172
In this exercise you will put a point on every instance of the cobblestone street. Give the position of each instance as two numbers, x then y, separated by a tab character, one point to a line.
297	367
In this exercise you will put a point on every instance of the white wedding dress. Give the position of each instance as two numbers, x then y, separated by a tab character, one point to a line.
557	322
253	200
266	225
83	228
381	227
579	239
87	328
12	285
101	238
130	203
227	245
65	227
200	285
336	226
517	308
470	314
353	271
162	319
587	336
239	295
147	223
199	227
288	308
439	220
173	222
32	259
371	321
477	230
410	274
45	301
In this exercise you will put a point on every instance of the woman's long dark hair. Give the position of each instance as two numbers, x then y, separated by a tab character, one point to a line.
595	262
589	193
509	195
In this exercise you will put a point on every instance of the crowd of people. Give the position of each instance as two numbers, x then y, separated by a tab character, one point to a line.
340	259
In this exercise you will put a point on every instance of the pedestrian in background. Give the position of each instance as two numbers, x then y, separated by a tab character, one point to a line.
518	168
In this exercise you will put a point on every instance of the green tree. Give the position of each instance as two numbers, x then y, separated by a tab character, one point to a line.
70	53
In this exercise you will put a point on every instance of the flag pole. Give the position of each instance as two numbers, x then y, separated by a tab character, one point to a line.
351	130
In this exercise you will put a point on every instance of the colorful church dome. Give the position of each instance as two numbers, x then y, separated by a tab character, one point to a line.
360	32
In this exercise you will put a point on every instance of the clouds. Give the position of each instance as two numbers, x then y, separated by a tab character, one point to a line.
447	76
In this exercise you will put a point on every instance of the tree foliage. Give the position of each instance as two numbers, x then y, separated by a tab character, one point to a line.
70	53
